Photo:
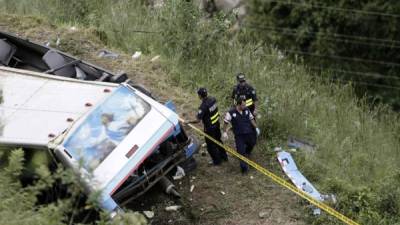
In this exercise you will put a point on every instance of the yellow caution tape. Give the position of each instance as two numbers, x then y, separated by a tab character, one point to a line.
279	180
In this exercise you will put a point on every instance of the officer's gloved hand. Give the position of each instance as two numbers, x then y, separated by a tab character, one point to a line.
225	136
258	131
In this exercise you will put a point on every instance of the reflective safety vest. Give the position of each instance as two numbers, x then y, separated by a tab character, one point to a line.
241	122
208	113
247	92
214	118
249	102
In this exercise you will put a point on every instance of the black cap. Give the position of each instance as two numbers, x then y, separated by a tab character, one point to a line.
202	92
240	77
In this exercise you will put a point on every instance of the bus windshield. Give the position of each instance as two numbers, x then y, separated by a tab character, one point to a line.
105	127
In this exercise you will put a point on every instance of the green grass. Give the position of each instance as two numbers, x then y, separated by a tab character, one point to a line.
357	147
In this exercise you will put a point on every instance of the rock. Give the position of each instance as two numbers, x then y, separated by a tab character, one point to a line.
149	214
191	188
222	193
172	208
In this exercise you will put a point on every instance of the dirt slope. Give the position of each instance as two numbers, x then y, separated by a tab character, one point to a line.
221	195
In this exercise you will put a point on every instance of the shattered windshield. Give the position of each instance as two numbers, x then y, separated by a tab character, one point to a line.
106	127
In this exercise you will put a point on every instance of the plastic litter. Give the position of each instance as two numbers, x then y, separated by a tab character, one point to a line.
172	208
107	54
149	214
180	173
136	55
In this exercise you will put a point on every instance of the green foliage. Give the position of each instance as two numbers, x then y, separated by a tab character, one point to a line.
22	204
326	29
357	147
17	204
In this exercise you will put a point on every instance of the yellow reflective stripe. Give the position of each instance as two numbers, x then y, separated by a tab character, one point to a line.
215	115
249	102
215	120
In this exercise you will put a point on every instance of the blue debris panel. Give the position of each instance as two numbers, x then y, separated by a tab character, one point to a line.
289	167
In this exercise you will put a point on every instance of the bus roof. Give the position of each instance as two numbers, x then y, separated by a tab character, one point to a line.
37	107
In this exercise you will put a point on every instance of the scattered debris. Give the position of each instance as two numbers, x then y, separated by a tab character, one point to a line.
289	167
203	152
330	198
172	208
148	214
297	143
73	28
204	145
251	177
136	55
58	41
263	214
180	173
191	188
222	193
316	211
107	54
155	58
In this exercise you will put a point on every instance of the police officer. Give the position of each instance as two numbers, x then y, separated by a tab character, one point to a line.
247	91
209	115
244	128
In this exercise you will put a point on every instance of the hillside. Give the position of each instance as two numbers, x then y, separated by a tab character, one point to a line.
356	147
245	197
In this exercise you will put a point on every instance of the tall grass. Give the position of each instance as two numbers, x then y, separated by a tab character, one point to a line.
357	147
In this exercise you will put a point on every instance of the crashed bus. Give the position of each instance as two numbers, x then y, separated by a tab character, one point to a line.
116	137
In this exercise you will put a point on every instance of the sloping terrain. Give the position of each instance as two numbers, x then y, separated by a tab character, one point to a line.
221	195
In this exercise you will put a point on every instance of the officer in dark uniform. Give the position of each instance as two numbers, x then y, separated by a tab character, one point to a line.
209	115
244	128
247	91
